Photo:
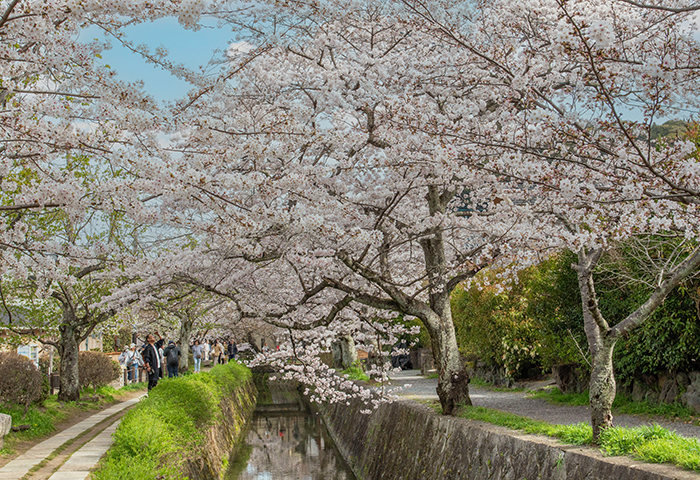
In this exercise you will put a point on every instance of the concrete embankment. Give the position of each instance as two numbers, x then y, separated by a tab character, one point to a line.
408	441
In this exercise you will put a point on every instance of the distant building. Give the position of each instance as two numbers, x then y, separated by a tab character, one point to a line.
24	338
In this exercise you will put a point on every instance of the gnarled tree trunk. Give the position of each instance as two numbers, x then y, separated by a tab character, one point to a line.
602	387
186	325
344	352
69	352
453	379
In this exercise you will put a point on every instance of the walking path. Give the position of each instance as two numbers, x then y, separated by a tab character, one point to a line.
519	403
80	462
78	466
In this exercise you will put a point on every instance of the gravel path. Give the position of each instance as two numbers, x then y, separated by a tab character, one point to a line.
520	403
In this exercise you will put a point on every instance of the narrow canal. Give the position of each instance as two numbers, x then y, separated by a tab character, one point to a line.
286	441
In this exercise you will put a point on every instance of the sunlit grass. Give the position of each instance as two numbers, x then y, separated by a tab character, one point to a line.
653	444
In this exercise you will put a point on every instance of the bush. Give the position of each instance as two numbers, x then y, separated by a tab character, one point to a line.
20	380
96	369
533	324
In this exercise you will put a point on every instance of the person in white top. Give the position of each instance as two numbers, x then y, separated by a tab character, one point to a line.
207	349
133	362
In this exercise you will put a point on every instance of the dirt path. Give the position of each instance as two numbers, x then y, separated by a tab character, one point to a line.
520	403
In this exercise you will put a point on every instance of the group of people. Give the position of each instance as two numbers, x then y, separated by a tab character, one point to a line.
156	360
153	358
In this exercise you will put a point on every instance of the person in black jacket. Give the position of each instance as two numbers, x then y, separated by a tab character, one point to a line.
151	361
172	357
232	350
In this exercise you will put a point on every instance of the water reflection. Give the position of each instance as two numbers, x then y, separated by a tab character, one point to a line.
286	442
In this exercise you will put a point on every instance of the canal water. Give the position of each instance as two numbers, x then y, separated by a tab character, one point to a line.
286	441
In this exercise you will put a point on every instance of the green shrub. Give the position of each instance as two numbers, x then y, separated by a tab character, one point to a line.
21	381
535	323
356	372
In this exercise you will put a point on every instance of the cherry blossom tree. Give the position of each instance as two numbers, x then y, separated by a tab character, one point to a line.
579	86
70	131
316	197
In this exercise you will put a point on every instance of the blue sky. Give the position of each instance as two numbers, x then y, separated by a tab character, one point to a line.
184	46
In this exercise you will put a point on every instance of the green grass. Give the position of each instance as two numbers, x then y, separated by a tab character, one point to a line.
578	434
652	444
133	387
622	404
41	421
554	395
154	439
356	373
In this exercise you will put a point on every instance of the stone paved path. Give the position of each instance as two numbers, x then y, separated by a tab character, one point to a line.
21	465
78	466
520	403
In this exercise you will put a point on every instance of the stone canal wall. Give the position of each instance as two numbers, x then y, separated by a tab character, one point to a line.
408	441
225	436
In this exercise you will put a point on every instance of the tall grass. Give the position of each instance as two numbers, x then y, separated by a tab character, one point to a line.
155	439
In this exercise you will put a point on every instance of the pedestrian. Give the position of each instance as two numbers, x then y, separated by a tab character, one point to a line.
151	361
172	357
134	361
216	353
123	357
232	350
207	351
197	354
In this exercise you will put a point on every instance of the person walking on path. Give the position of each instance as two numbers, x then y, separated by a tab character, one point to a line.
133	362
172	356
197	354
151	361
232	350
216	353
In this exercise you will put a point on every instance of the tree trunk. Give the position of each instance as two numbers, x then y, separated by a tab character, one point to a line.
184	343
348	351
453	379
602	388
344	352
68	350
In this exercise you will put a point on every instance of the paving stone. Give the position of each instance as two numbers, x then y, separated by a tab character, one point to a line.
78	466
